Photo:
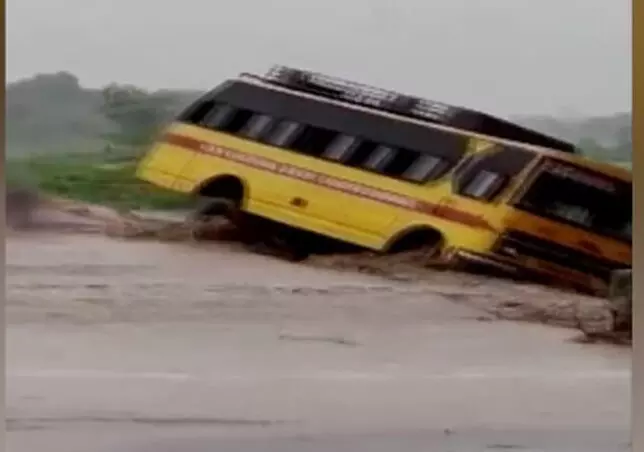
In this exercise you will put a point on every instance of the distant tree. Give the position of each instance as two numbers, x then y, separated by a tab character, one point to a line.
53	114
137	114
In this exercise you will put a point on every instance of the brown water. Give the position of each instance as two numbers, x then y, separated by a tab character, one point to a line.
121	339
77	228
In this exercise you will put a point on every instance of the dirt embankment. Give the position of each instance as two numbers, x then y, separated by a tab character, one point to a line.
498	298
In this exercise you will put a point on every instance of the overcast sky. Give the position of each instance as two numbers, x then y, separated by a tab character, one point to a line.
569	57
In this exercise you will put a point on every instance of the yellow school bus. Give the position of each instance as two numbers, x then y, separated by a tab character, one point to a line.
329	158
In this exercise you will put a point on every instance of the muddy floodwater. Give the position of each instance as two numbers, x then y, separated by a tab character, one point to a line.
145	345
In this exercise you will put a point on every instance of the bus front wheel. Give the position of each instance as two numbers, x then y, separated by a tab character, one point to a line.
210	208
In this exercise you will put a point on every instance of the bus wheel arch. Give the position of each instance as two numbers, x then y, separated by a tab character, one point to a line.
416	238
229	187
219	196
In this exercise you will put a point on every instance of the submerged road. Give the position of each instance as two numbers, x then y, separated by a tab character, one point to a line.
148	347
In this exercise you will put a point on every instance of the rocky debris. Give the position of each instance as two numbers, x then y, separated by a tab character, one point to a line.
500	298
620	305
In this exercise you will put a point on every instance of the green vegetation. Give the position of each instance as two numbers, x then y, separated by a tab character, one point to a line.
91	178
47	115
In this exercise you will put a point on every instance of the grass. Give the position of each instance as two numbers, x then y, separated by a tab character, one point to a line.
107	179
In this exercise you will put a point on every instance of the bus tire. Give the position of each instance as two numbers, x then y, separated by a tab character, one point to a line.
208	209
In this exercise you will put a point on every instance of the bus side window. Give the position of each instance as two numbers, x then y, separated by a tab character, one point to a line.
476	178
464	167
485	176
484	185
380	157
196	113
360	153
283	134
226	118
258	125
400	163
349	150
218	116
340	147
235	121
313	140
426	168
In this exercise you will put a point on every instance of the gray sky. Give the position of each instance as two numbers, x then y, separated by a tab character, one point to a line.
566	57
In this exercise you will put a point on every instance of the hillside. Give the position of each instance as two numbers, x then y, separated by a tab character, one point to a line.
607	137
52	113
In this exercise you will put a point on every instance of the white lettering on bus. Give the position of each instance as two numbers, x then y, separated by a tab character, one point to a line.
309	176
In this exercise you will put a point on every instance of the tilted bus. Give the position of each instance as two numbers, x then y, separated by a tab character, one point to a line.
391	172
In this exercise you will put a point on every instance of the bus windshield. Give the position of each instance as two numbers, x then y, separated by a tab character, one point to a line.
582	198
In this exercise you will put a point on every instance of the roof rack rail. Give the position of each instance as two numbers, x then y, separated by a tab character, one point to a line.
359	93
408	106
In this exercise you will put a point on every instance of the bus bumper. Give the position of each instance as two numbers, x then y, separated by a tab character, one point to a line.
483	259
545	272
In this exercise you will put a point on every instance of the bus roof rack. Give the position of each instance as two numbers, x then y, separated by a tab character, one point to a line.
410	106
358	93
